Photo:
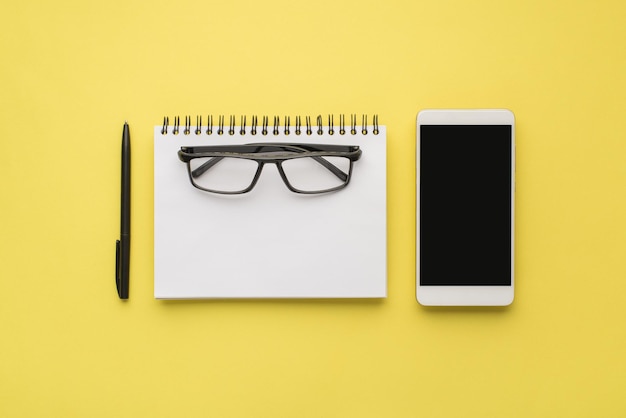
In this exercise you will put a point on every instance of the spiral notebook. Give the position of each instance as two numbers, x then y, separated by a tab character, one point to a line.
273	241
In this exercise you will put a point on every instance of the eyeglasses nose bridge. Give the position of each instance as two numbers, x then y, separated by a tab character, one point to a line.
281	172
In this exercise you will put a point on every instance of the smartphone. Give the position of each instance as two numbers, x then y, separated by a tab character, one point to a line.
465	179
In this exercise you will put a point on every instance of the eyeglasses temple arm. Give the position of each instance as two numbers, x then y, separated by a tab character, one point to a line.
332	168
204	167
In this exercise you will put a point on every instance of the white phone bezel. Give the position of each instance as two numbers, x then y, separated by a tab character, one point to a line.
465	295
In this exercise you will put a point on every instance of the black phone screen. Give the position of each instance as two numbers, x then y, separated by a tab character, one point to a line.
465	205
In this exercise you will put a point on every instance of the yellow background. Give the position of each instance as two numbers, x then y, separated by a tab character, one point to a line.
73	71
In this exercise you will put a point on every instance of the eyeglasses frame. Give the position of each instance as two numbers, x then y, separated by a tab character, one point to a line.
292	151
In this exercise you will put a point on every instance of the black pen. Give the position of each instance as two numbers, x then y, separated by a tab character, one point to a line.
122	259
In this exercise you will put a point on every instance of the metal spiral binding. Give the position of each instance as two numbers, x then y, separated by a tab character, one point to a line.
275	129
209	128
242	126
220	128
298	125
265	123
198	124
231	129
187	125
255	123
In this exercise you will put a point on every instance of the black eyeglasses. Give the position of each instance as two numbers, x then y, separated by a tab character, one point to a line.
235	169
